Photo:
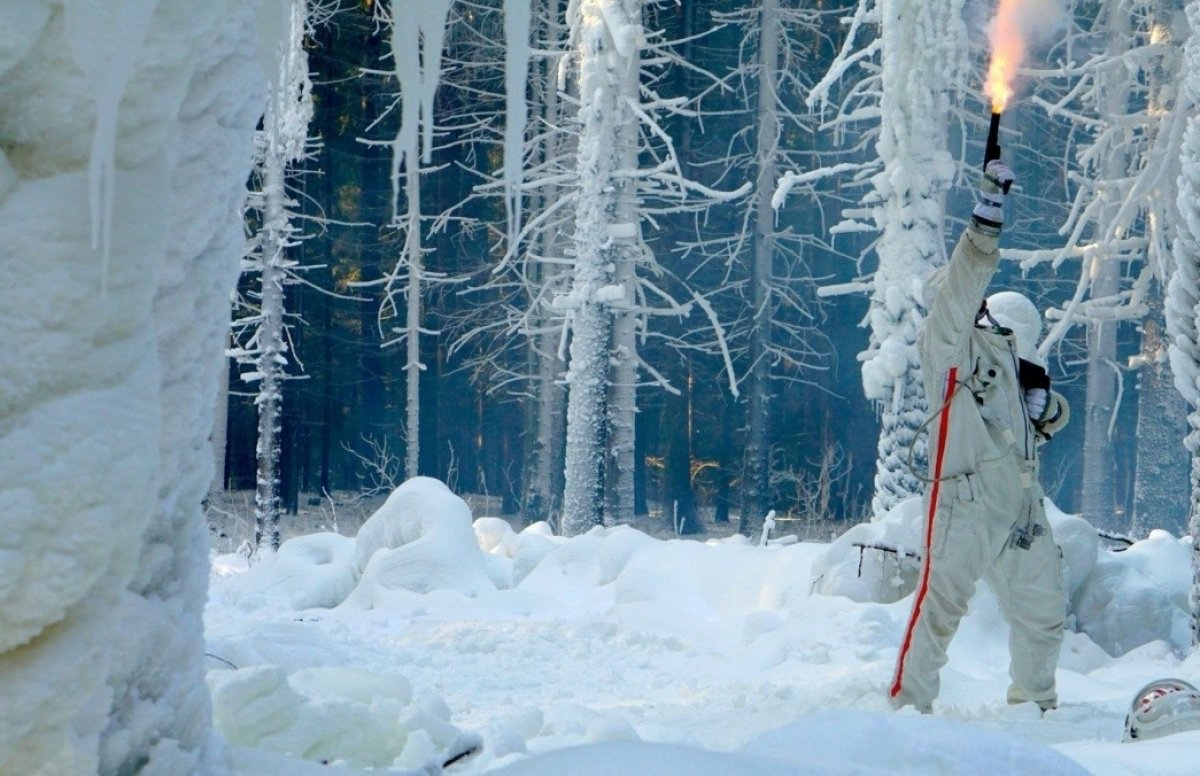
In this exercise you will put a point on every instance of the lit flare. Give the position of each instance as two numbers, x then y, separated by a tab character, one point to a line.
1008	49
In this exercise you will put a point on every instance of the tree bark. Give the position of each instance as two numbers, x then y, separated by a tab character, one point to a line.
269	362
1160	485
606	246
546	456
412	325
1099	497
758	382
679	501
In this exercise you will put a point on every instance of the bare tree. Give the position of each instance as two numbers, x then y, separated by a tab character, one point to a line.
779	327
534	284
261	336
612	294
416	30
922	54
607	241
1160	480
1122	216
553	150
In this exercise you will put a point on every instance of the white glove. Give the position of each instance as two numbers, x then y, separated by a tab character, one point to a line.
1035	403
988	215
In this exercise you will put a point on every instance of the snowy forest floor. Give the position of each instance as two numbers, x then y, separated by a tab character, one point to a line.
554	651
230	516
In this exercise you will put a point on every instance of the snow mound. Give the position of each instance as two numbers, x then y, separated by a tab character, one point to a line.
723	579
530	547
677	587
497	539
1165	562
291	644
1134	597
421	539
329	715
314	570
1123	600
510	556
867	574
494	535
1173	755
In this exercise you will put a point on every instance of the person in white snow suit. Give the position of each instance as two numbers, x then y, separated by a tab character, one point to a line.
991	407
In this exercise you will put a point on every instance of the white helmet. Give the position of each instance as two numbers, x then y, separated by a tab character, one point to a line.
1161	708
1014	311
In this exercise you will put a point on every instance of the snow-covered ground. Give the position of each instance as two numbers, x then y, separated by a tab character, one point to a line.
616	652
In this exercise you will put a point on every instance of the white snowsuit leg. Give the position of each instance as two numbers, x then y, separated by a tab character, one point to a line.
971	534
972	523
1029	587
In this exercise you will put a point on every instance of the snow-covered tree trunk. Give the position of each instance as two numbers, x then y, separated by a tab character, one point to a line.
1160	481
1183	293
625	231
412	312
922	46
271	358
141	131
1098	497
541	502
758	382
546	458
607	35
621	403
282	142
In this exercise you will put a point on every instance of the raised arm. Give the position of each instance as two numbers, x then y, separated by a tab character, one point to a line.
953	293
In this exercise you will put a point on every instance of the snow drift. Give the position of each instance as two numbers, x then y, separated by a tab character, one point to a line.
421	539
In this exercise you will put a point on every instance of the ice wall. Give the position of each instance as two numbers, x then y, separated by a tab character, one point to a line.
130	120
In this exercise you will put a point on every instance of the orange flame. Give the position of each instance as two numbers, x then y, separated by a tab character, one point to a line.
1008	49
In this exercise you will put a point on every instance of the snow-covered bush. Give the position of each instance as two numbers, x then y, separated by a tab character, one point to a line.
866	573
